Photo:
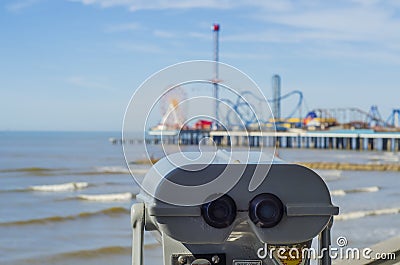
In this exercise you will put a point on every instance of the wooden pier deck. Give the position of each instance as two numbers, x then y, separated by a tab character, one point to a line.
339	140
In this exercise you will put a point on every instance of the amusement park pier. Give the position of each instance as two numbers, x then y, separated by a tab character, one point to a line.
292	125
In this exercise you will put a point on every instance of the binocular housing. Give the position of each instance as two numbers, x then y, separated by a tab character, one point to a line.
291	206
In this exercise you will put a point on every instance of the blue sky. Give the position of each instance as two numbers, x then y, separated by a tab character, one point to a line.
73	65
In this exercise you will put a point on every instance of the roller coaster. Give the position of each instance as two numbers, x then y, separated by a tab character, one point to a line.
320	118
245	110
357	118
249	110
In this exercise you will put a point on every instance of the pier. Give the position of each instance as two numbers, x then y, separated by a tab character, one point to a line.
338	140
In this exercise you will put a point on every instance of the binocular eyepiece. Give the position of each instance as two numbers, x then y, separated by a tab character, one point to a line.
219	213
265	211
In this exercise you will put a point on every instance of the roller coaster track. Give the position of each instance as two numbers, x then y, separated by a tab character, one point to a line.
347	115
245	110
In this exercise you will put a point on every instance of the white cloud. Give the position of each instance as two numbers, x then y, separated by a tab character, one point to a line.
200	35
136	5
88	83
360	29
366	2
164	34
139	47
355	20
123	27
353	53
282	5
178	4
17	6
291	36
246	56
360	22
311	25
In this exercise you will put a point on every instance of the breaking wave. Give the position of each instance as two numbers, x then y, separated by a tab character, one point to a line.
329	175
126	196
112	170
361	214
120	170
60	187
357	190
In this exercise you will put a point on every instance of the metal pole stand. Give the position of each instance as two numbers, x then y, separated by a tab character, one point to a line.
325	244
137	221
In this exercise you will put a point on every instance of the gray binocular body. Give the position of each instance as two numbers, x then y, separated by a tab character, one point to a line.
289	207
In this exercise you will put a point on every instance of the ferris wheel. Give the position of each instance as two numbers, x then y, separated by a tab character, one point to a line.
172	112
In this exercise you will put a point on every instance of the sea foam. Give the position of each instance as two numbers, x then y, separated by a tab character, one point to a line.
361	214
356	190
61	187
126	196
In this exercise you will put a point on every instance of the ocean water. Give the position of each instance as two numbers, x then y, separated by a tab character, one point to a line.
65	198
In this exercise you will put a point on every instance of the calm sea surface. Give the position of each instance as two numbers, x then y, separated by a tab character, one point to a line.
65	198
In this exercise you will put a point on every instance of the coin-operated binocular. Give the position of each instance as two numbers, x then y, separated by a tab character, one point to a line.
271	224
